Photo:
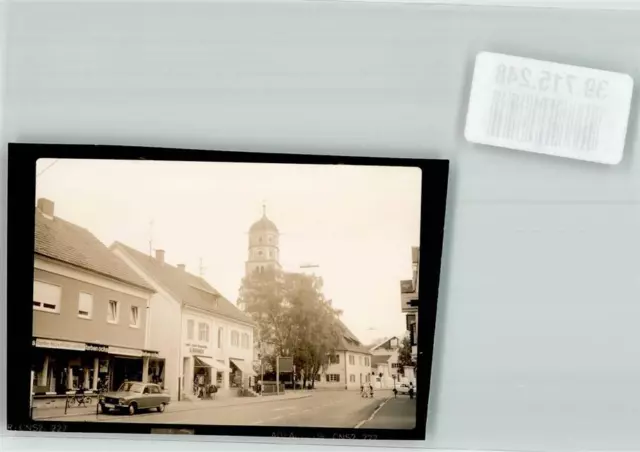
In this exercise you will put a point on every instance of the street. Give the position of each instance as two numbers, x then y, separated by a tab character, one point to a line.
321	409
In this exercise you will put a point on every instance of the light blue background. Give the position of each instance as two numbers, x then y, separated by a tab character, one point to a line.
538	340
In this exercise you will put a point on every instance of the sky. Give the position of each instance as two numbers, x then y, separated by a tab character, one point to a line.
356	224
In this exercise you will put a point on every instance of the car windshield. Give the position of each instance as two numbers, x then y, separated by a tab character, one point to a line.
131	387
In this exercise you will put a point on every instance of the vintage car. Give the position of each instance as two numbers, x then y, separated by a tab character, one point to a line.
133	396
404	389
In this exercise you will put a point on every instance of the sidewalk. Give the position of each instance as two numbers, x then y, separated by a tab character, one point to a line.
175	407
395	413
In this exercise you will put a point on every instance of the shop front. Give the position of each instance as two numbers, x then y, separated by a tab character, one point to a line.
201	370
60	366
241	373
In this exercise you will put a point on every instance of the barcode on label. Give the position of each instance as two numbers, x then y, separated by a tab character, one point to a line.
555	123
549	108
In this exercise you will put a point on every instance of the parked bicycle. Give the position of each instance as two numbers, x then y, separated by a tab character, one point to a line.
79	398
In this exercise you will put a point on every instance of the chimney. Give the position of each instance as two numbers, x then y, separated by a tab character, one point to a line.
181	267
46	207
160	256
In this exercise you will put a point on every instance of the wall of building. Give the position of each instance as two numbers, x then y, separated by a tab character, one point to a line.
359	370
66	324
164	328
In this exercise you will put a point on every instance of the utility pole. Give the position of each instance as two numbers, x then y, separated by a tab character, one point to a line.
277	374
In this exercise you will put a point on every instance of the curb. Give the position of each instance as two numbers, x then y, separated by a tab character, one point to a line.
197	407
379	407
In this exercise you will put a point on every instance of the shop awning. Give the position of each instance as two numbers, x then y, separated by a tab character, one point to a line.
205	361
222	366
244	367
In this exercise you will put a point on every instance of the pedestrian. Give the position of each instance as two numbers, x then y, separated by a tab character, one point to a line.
411	390
395	392
371	389
361	390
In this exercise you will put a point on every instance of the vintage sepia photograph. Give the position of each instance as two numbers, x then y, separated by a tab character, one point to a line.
226	293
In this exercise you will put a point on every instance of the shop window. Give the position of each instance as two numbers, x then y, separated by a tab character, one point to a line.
46	297
352	378
85	305
352	360
190	327
134	317
203	332
113	311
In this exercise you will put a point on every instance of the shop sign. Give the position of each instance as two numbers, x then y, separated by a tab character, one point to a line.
62	345
97	348
196	350
149	353
125	351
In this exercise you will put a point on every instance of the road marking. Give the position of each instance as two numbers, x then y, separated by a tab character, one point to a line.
305	411
359	424
276	418
257	422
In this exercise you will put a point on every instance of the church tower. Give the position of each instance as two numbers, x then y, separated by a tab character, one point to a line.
264	251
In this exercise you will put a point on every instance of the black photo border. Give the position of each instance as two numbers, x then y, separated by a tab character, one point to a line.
20	248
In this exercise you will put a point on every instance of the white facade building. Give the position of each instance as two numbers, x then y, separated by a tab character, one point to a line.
349	366
204	337
385	362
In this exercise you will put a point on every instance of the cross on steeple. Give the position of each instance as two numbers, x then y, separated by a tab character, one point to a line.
264	208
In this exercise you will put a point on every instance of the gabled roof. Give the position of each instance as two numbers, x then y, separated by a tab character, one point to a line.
66	242
384	342
348	341
190	289
379	359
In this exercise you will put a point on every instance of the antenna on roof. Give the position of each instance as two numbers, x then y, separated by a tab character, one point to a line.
151	238
202	269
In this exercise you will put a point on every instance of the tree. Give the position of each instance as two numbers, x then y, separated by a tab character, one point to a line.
293	317
404	355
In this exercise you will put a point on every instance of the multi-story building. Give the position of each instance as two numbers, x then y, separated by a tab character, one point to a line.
205	338
410	296
349	366
385	364
90	311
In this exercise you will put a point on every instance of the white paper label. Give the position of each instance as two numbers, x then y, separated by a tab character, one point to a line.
549	108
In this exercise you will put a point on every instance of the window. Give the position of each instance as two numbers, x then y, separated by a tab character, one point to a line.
245	340
366	360
318	378
394	365
46	297
333	378
334	359
203	332
154	390
220	337
352	378
260	253
270	239
235	339
190	327
260	239
367	378
85	305
270	254
134	317
360	360
352	360
113	312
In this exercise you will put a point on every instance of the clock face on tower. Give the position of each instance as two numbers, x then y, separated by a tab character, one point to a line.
264	249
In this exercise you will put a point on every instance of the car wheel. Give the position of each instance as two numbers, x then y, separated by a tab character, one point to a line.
132	409
161	408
